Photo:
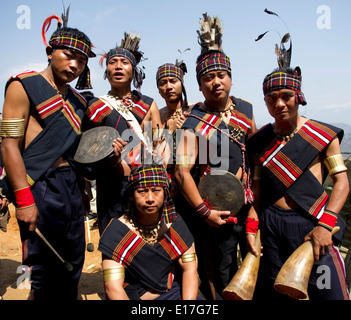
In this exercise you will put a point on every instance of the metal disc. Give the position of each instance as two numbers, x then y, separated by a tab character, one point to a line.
223	191
95	145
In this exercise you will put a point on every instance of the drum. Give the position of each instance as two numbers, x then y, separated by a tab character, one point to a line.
223	191
95	145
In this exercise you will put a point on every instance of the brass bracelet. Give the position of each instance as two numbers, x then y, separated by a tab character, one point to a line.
257	173
188	257
12	128
114	273
183	161
335	164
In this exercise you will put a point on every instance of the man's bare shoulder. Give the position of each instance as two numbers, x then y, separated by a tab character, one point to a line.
15	99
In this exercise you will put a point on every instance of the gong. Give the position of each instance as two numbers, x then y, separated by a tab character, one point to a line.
95	145
223	191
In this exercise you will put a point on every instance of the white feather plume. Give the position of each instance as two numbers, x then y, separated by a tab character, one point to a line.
210	33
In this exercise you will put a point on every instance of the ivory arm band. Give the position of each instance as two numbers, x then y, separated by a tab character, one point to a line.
114	273
335	164
12	128
188	257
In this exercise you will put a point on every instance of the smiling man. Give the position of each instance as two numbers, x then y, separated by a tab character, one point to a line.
42	116
292	157
214	136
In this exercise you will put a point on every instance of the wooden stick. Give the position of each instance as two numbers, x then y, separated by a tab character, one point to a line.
67	265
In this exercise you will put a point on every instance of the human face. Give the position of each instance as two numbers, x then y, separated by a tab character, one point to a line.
149	200
66	65
119	71
215	86
282	105
170	89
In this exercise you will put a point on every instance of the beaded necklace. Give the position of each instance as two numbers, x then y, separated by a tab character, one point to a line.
123	104
147	233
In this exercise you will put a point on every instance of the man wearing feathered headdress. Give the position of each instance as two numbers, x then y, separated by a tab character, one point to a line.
42	116
130	113
221	124
292	157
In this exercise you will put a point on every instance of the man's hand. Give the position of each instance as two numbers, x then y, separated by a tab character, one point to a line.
118	145
215	219
321	238
28	216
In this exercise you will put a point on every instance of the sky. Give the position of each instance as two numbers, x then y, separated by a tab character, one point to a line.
319	29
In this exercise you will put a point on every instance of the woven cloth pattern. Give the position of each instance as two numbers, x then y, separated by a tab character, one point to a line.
213	62
155	176
169	70
281	80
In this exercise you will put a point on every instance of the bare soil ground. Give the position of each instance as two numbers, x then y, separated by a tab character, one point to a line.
91	282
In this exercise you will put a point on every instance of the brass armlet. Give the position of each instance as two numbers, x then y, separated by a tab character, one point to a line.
335	164
257	173
183	161
114	273
12	128
188	257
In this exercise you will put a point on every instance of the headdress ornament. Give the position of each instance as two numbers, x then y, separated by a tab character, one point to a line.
210	40
71	42
281	79
128	49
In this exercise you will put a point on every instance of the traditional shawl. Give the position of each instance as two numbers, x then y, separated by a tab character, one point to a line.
147	267
285	167
61	121
241	118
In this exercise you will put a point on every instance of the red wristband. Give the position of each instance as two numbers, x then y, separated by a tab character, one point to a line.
328	219
24	198
251	225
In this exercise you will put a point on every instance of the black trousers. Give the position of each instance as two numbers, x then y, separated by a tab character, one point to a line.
283	231
61	221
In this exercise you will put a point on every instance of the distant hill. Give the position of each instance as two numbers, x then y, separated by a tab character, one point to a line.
346	142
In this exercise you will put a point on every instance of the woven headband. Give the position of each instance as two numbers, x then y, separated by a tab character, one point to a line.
281	80
123	53
169	70
213	62
72	43
151	177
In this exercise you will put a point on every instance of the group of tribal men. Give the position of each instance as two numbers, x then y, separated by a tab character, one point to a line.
159	238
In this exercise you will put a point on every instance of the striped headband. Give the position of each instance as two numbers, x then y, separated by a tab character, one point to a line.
169	70
72	43
123	53
282	80
151	177
213	62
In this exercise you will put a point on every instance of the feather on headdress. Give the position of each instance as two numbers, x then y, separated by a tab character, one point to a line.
283	54
210	33
212	57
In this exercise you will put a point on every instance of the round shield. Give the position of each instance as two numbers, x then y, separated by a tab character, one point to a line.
223	191
95	145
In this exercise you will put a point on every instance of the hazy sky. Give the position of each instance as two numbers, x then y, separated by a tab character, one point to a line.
320	32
